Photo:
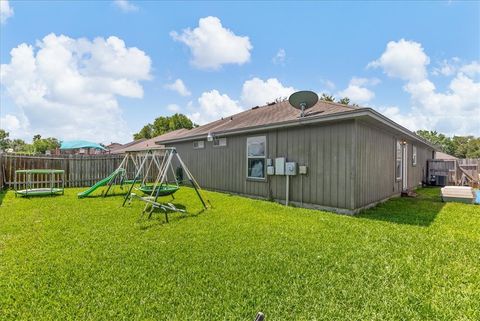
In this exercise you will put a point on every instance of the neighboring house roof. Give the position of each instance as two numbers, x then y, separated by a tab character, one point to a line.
77	144
113	146
282	115
443	156
146	144
121	149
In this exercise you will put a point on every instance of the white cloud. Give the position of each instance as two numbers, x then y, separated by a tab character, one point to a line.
257	92
455	111
407	120
471	69
5	11
447	67
125	5
212	106
328	84
212	45
68	88
10	123
179	87
279	58
357	94
357	91
356	81
174	108
403	59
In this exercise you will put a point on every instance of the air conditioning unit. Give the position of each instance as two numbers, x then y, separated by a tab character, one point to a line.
438	180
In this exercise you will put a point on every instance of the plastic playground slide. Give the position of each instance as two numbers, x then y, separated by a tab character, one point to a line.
101	183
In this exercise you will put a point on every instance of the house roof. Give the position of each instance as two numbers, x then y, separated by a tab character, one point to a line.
282	114
444	156
121	149
260	116
146	144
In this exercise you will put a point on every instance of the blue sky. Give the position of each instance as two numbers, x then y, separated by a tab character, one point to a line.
336	47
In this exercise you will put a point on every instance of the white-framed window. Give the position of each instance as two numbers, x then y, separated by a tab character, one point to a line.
219	142
256	156
398	161
198	144
414	155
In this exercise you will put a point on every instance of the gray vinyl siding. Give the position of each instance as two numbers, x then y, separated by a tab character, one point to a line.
350	164
325	149
375	164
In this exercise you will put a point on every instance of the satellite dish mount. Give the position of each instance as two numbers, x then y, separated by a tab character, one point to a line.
303	100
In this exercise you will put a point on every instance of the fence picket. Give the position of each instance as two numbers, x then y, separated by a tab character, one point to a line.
80	170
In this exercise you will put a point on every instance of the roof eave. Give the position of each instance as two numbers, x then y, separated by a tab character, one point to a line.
311	120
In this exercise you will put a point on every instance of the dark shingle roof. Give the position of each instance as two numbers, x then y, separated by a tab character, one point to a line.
145	144
260	116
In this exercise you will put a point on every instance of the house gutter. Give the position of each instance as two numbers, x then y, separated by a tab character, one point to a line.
369	112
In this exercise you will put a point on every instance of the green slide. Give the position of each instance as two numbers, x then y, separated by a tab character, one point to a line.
101	183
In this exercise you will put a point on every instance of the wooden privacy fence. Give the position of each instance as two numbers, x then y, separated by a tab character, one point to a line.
2	176
80	170
454	171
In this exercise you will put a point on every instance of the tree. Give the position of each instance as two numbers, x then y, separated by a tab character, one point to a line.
466	146
326	97
41	145
344	101
442	141
4	140
164	124
145	132
277	100
18	145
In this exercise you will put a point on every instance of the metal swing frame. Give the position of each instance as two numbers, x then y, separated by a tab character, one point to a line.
170	153
139	159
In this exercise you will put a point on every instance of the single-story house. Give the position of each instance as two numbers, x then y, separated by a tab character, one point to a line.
444	156
341	158
112	146
145	144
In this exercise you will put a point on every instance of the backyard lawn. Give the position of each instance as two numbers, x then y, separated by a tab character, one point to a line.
409	259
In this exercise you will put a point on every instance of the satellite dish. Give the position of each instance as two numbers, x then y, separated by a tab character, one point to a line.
303	100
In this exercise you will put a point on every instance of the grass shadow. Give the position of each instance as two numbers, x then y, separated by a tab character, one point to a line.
158	217
421	210
2	195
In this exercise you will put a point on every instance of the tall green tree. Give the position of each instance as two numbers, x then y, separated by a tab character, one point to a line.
41	145
164	124
4	140
326	97
18	145
442	141
466	146
145	132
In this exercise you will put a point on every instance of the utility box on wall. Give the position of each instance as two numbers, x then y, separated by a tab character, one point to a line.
291	168
302	170
280	166
270	170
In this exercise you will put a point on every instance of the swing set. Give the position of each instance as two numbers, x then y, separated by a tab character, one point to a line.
145	162
162	186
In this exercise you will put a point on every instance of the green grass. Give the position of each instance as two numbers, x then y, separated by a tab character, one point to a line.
62	258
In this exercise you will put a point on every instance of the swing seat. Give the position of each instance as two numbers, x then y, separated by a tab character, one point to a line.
164	190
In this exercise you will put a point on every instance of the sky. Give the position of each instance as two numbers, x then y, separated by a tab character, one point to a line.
102	70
